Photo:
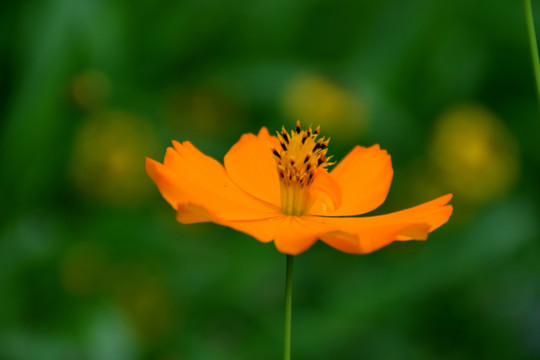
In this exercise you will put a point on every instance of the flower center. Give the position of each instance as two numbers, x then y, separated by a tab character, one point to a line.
298	159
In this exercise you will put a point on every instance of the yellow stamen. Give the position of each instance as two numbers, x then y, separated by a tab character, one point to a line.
298	159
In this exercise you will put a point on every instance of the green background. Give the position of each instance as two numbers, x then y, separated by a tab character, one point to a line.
93	264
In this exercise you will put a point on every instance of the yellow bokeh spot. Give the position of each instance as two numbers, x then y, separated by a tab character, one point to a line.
108	158
474	153
319	101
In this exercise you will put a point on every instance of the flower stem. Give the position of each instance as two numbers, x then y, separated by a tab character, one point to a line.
533	45
288	308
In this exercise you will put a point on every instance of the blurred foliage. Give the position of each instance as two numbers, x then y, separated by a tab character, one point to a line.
92	263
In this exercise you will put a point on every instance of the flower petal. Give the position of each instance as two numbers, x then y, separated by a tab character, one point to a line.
187	176
366	234
263	230
357	235
296	234
188	213
326	192
362	240
364	175
251	166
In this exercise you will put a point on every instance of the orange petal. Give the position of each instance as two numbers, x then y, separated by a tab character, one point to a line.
357	235
367	234
296	234
164	179
188	213
263	230
364	176
433	212
251	166
326	193
189	177
364	243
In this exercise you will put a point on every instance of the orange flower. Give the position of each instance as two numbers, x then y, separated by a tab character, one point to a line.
277	188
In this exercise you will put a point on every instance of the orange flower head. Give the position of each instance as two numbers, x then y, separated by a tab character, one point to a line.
278	188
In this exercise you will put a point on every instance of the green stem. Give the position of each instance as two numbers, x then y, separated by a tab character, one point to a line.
288	308
533	45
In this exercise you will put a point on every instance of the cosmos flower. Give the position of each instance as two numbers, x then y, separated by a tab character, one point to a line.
278	188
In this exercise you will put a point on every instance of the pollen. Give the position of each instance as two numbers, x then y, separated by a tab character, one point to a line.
298	159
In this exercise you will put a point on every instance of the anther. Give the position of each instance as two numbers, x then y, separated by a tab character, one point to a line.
275	152
316	131
304	138
298	127
306	159
319	145
285	135
283	146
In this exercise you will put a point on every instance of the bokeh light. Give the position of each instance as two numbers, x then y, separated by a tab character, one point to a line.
475	154
108	155
317	100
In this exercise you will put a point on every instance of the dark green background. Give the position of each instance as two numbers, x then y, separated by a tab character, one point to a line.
92	263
